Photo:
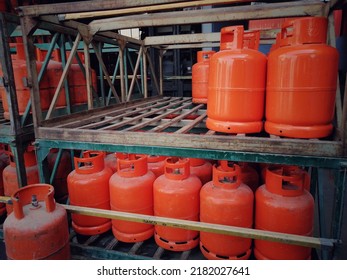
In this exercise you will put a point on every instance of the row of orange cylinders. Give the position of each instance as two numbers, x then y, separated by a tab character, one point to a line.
48	83
299	77
181	195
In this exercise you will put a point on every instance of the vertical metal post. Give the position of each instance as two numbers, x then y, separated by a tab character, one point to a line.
18	150
56	165
121	61
161	85
145	85
126	79
101	76
63	64
8	77
340	192
41	154
30	51
88	74
113	79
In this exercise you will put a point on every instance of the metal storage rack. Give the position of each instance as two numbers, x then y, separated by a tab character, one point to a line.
134	126
14	132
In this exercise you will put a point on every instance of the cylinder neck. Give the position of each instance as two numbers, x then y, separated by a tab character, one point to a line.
24	196
306	30
132	166
285	182
226	176
177	168
91	162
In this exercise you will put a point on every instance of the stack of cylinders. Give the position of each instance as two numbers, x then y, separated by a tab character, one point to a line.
202	169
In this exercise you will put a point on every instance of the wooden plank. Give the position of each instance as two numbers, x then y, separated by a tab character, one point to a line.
88	75
156	119
146	9
176	119
188	127
86	6
143	115
182	39
119	115
261	145
293	239
273	10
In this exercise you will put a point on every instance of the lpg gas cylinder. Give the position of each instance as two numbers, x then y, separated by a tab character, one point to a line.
236	86
63	169
156	164
176	195
283	205
111	161
200	72
249	176
22	90
131	190
4	161
88	187
301	81
226	201
10	173
77	82
3	7
38	227
53	73
202	169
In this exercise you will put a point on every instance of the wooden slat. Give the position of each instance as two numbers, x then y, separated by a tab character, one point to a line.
176	119
213	142
206	227
147	9
297	8
86	6
188	127
151	112
126	113
156	119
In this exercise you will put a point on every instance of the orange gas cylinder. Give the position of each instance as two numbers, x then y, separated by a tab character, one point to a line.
176	195
111	161
77	82
131	190
3	163
301	81
10	178
290	170
249	176
3	7
292	211
53	73
200	77
236	86
202	169
63	170
88	187
251	39
38	227
156	164
226	201
20	76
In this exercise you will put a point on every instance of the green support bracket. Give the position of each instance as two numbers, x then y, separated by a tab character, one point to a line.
55	167
41	154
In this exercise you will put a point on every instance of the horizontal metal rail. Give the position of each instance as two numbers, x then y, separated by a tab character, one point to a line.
306	241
